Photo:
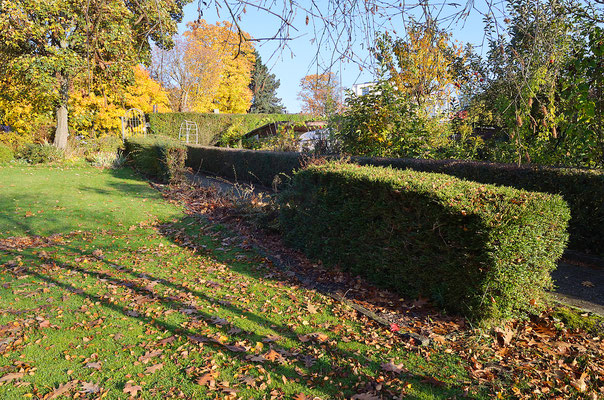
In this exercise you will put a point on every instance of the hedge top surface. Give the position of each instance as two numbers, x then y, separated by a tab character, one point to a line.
449	163
491	202
155	140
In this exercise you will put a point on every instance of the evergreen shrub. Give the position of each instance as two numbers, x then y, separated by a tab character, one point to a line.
267	168
582	189
481	250
157	157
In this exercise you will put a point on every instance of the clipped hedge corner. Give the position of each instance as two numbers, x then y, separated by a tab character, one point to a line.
157	157
481	250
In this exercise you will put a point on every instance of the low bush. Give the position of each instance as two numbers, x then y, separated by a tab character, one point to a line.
157	157
384	122
6	154
481	250
39	153
267	168
103	144
107	159
226	129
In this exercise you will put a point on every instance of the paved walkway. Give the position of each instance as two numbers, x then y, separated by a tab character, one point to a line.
579	282
580	286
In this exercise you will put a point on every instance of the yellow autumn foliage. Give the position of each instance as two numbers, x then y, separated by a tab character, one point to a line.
25	112
98	113
421	65
93	114
224	73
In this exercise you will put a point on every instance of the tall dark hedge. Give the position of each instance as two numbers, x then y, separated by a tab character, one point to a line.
267	168
481	250
213	127
157	157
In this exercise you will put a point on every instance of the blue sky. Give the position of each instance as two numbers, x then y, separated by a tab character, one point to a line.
292	64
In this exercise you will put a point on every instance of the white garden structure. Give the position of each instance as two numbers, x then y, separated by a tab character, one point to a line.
188	132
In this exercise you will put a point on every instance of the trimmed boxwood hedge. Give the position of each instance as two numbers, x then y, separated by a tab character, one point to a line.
157	157
582	189
214	127
482	250
267	168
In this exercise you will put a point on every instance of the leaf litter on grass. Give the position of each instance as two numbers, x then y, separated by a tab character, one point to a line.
117	299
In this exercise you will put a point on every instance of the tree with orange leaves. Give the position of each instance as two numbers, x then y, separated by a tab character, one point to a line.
422	66
320	94
228	61
210	67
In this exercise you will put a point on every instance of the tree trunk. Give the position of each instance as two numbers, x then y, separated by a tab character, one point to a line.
62	131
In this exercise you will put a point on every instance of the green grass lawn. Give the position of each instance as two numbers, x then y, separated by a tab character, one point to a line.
115	305
43	201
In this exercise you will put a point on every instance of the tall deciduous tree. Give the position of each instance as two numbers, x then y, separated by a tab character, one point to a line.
48	44
189	72
320	94
421	65
264	87
525	67
96	113
223	78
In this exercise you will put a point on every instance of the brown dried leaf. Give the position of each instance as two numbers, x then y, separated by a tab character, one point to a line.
312	309
304	338
236	348
44	324
272	355
248	380
396	368
94	365
320	337
62	389
254	358
132	389
154	368
504	336
168	340
207	379
149	355
579	384
12	376
89	387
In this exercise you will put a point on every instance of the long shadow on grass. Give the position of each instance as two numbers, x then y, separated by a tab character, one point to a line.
137	289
